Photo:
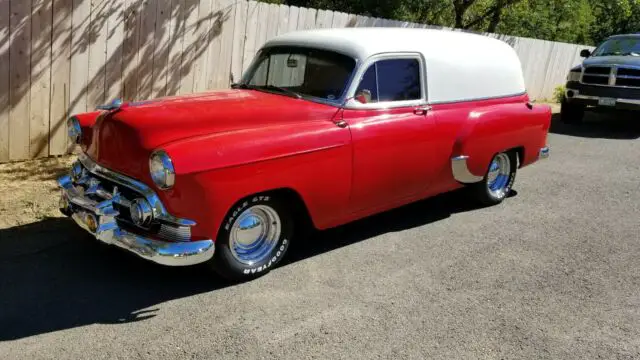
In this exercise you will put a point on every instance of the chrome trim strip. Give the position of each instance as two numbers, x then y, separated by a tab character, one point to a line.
99	220
477	99
159	210
461	172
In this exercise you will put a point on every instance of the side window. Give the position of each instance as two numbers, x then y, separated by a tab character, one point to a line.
392	80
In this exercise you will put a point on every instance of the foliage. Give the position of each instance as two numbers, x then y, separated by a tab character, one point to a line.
558	93
574	21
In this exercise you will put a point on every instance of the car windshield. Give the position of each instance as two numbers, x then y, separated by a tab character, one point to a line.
621	46
300	72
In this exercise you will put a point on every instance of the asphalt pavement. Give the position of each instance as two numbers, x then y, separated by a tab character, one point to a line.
552	273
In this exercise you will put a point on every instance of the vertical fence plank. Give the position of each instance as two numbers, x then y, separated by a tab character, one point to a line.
97	34
60	76
222	27
130	49
162	47
79	56
239	36
204	46
5	36
189	46
253	11
292	24
174	62
41	12
325	19
115	41
146	36
20	22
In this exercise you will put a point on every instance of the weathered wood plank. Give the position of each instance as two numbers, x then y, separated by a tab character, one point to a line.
79	56
20	54
39	96
204	46
174	62
5	35
222	27
144	68
292	23
239	35
115	42
60	76
189	46
97	52
325	19
162	47
253	12
132	13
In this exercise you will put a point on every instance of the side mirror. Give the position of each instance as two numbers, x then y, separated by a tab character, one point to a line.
363	96
585	53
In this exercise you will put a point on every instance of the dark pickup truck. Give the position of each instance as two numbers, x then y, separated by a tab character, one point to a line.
608	79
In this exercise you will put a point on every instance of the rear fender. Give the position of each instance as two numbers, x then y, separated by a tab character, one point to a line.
495	129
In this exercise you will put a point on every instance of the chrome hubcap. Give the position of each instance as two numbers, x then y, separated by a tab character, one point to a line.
255	234
498	176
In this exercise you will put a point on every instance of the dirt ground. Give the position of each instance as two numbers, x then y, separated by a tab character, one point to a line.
29	191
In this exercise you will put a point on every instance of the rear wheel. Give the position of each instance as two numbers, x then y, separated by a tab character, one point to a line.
498	180
571	113
253	238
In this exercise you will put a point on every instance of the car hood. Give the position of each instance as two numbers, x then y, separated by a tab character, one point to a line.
123	139
613	60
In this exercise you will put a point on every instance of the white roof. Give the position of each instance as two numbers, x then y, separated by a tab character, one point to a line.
460	66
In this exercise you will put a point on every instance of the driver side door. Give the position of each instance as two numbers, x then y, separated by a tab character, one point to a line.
393	135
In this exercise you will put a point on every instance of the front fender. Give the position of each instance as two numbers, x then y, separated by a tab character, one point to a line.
213	172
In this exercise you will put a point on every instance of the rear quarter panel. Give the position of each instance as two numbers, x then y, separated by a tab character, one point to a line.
483	128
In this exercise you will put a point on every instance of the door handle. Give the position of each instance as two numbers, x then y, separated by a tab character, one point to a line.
421	110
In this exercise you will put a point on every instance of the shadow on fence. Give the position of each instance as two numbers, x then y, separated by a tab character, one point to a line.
132	67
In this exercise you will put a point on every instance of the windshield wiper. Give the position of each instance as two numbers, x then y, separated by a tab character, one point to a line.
267	87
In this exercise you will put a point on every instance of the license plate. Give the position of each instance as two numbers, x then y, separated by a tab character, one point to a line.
607	102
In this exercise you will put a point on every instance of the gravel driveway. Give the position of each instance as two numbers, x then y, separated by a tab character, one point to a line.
552	273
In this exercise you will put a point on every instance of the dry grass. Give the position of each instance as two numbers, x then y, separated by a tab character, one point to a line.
28	190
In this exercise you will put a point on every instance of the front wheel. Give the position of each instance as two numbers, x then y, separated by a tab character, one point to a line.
253	238
499	179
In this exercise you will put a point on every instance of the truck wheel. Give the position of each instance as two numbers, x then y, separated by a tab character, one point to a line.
571	113
498	180
253	238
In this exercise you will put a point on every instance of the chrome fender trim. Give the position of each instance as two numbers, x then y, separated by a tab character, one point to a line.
461	172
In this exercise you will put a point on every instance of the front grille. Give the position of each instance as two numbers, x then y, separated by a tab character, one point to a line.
628	72
629	77
600	70
595	79
597	75
99	189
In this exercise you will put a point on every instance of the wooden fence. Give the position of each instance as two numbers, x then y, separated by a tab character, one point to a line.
60	57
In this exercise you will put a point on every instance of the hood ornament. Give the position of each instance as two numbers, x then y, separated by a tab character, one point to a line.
114	105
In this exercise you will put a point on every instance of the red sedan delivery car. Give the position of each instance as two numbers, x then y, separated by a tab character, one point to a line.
325	127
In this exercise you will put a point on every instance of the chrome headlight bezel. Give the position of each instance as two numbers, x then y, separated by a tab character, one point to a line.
74	130
574	75
161	169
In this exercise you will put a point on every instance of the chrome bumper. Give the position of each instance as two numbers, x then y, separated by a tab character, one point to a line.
98	218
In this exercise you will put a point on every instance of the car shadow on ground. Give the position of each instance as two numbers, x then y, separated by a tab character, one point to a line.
56	277
605	125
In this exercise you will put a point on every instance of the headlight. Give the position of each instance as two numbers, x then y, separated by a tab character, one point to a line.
161	169
141	212
74	130
574	76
